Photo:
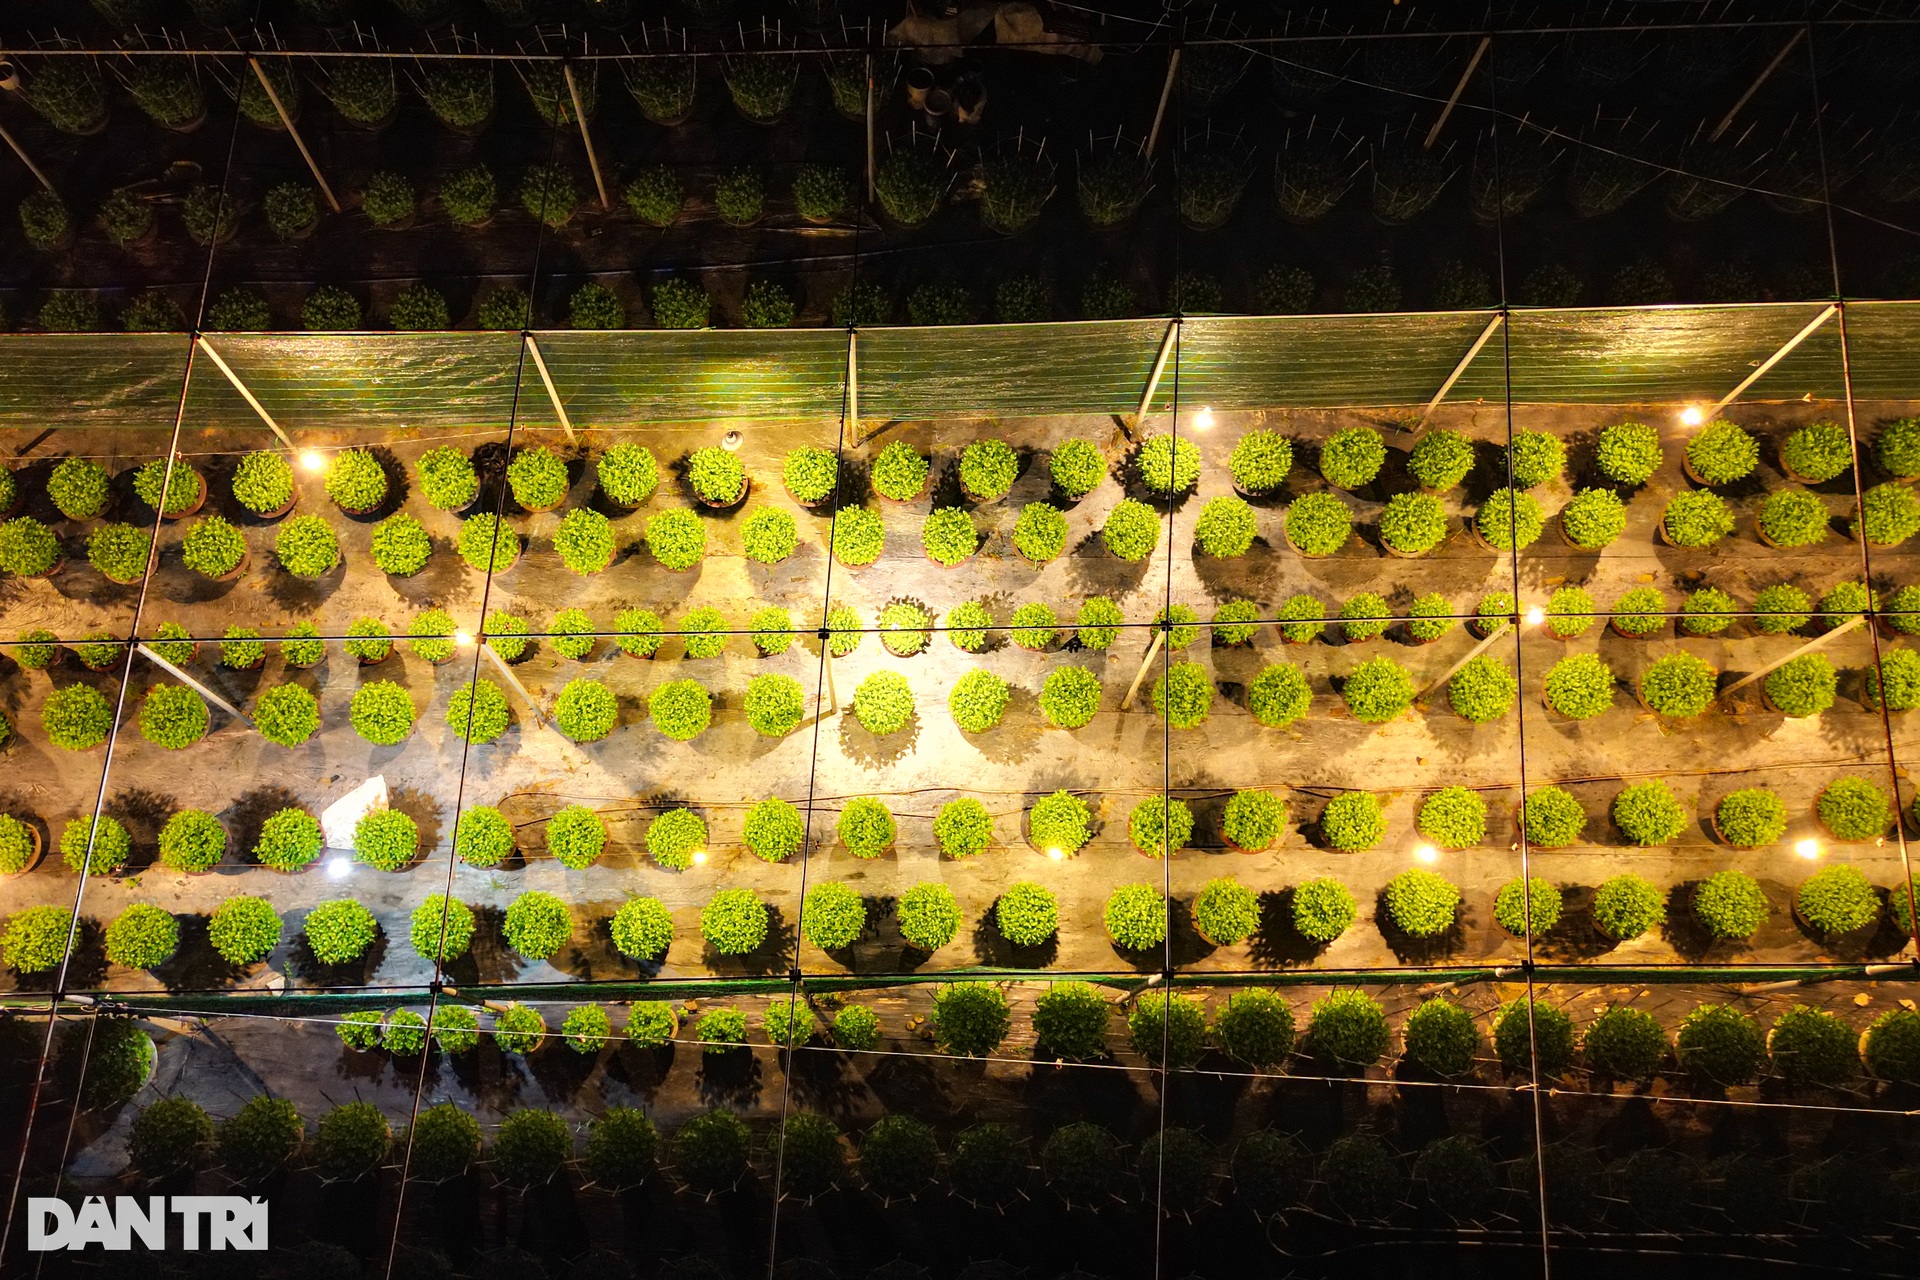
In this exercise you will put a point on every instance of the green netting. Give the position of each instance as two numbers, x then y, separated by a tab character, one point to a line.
1085	367
112	380
1631	356
1883	347
1326	361
360	381
614	379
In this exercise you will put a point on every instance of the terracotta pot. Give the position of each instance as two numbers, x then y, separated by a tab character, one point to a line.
39	850
200	500
1627	635
1238	849
554	505
746	487
292	501
246	559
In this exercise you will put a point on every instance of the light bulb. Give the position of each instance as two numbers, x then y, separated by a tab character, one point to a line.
1203	419
1056	852
337	868
699	856
1807	848
1427	853
463	638
314	460
1536	616
1692	416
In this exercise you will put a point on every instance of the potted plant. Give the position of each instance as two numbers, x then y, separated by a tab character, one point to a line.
681	709
292	210
1508	521
911	182
899	472
487	543
1534	457
1894	683
963	828
356	481
20	845
1131	531
330	308
654	196
1453	818
1678	686
681	304
1649	814
1888	515
859	535
1136	917
584	541
1624	908
1323	909
120	552
1552	818
78	487
1318	524
369	641
386	839
306	547
1897	448
430	636
1816	453
287	714
173	717
1750	818
1040	533
1441	460
1837	900
1720	453
388	200
469	198
1411	525
717	477
1365	617
1781	609
1421	904
1482	691
1706	612
987	469
538	924
538	479
1167	466
28	549
904	628
1352	457
811	475
263	484
1853	809
1570	613
1235	624
1803	686
1640	614
99	845
628	475
1592	519
1160	826
1579	687
1076	468
1070	697
1377	690
289	840
185	487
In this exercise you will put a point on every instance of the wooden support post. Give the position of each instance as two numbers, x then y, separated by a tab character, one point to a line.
1153	651
853	385
201	689
1486	335
280	108
506	673
1159	367
873	192
1454	670
1166	92
1762	368
1473	64
553	392
1808	647
26	159
1726	121
586	136
234	378
826	666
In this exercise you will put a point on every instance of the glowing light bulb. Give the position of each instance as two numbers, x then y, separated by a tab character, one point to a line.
699	856
1536	616
1203	419
1692	416
1807	848
731	441
1427	853
314	460
337	868
1056	853
463	638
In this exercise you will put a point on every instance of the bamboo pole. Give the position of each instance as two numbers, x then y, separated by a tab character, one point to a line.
1808	647
506	673
218	701
1726	121
1473	64
1486	335
1166	92
252	403
273	96
1153	651
553	392
1760	370
26	159
586	136
1159	368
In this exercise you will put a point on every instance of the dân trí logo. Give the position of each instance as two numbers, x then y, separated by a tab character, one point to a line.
209	1222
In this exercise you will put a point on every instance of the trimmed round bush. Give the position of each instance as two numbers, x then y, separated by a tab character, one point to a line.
287	714
27	547
1226	912
1440	460
34	939
866	827
674	837
1040	532
1482	691
1897	448
1889	514
1528	1031
340	931
169	1136
1160	826
1721	453
444	1143
79	487
483	837
1750	818
76	717
1378	690
1168	465
769	535
1552	818
734	922
929	916
963	828
350	1142
979	699
1837	899
1027	914
173	716
642	928
1347	1031
1319	524
1854	809
1627	906
1441	1039
810	473
1323	910
100	845
1167	1030
1076	468
1812	1046
1522	902
899	472
576	837
1353	821
1365	617
1509	521
1803	686
833	916
1817	452
1254	820
1593	518
142	936
289	839
1352	457
1730	905
859	536
1679	685
1070	1021
478	712
1719	1043
441	929
1891	1047
119	551
1256	1026
1060	821
1580	687
1421	904
774	704
1260	462
677	538
487	543
519	1029
988	468
1453	818
1226	527
1624	1043
1793	518
382	712
1696	518
386	839
1131	530
537	924
1534	457
970	1019
1894	682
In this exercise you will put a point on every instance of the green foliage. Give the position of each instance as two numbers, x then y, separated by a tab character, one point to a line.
487	543
445	1140
1679	685
456	1030
1060	821
1535	457
775	704
1167	465
774	830
734	922
441	928
45	220
1722	453
1096	626
856	1028
356	480
306	546
1378	690
1440	460
483	837
584	541
263	482
963	828
1852	808
1131	530
832	916
477	711
1076	468
330	309
289	839
142	936
17	845
339	930
594	306
844	630
1454	818
1526	1030
1183	696
1160	826
1509	520
519	1029
1323	909
987	469
386	839
642	928
1812	1046
949	536
1627	906
1696	518
929	916
1347	1030
1166	1029
576	837
628	474
169	1136
1260	461
677	538
419	308
1421	904
1553	818
1413	523
537	924
34	939
1648	813
1441	1039
1837	899
674	837
679	303
572	633
1793	518
899	472
1352	457
35	651
1624	1043
1889	514
883	703
1254	820
1629	453
810	473
970	1019
1894	682
1353	821
1226	912
1804	686
866	827
1593	518
1580	687
977	700
1483	690
351	1141
1256	1027
1236	622
173	716
1522	901
100	844
382	712
1070	1021
716	475
70	311
547	191
859	535
119	551
721	1031
586	711
1897	448
1730	904
538	478
1136	917
1891	1047
1027	914
242	649
1040	533
469	196
79	488
769	535
127	219
1033	625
